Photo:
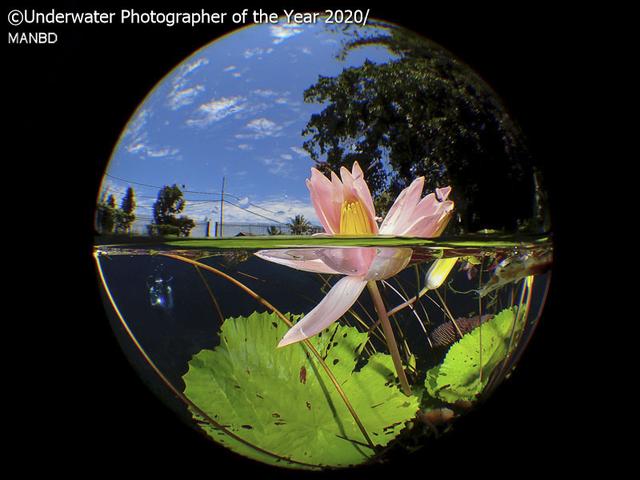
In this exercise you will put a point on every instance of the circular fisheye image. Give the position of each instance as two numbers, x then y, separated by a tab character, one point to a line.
321	245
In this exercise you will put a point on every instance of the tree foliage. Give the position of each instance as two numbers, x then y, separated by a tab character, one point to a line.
299	225
422	113
110	218
128	204
125	215
106	214
170	201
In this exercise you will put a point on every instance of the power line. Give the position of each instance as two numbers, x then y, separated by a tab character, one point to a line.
193	191
200	202
255	213
192	200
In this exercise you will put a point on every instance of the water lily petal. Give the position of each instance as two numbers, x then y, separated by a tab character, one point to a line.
364	195
337	186
388	262
428	205
443	193
326	199
401	214
428	226
435	203
348	260
347	179
335	304
422	227
306	260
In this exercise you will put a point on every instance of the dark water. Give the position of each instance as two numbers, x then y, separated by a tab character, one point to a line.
176	308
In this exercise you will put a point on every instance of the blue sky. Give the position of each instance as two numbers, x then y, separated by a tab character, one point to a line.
235	108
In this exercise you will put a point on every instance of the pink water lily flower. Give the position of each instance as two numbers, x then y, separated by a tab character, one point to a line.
345	207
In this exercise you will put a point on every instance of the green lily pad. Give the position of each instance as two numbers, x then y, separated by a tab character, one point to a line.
458	377
308	241
282	401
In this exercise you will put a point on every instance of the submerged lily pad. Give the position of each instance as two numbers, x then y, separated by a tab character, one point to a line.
466	369
281	400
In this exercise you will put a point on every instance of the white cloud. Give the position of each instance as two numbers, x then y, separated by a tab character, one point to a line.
284	98
276	165
179	98
247	210
278	209
282	32
260	128
265	92
257	52
136	127
190	67
245	147
262	125
233	70
277	98
181	93
198	211
217	109
306	50
161	152
300	151
136	139
145	150
279	166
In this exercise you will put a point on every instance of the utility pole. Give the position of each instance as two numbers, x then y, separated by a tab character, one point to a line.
221	206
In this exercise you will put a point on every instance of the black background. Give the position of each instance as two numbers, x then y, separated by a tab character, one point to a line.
78	402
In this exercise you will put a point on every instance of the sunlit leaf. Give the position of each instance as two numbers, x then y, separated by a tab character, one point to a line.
459	376
283	402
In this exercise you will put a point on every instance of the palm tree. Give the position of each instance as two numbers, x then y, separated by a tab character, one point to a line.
273	230
299	225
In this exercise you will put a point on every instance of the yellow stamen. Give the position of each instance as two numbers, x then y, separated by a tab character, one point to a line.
353	219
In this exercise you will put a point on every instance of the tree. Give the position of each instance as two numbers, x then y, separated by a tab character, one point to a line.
125	215
299	225
273	230
106	213
185	225
422	113
170	201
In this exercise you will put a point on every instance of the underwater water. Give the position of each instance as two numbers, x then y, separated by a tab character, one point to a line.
201	321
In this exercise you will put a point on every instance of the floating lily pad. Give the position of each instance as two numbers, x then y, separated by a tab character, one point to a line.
458	377
307	241
281	400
